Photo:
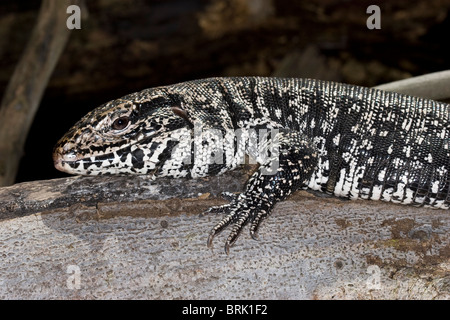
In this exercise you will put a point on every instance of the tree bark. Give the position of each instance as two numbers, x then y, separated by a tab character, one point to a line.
98	238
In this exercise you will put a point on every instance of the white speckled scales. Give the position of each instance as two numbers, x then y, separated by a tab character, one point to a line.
372	144
345	140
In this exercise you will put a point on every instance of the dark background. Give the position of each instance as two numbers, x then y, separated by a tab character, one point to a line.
126	46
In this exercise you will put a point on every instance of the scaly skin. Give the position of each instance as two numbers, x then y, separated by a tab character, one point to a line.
345	140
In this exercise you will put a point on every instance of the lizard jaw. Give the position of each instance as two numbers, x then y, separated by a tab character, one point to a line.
61	160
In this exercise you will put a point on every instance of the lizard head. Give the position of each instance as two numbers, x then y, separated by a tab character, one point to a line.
133	134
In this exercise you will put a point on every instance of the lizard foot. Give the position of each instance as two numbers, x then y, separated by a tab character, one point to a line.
228	196
286	171
239	213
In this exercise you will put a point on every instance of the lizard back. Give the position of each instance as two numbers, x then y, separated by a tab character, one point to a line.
372	144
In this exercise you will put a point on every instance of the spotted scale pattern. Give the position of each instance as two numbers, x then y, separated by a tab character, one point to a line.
349	141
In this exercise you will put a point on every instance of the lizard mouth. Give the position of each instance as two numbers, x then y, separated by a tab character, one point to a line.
76	163
111	163
65	161
83	166
65	158
68	163
68	159
58	163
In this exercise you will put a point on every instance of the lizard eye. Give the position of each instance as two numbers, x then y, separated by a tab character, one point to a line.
120	123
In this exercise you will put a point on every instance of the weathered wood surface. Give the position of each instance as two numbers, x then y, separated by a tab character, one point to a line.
37	196
434	86
311	247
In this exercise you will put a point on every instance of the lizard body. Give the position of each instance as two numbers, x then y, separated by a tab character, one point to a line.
345	140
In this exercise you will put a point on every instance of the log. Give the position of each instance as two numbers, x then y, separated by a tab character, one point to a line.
435	86
133	238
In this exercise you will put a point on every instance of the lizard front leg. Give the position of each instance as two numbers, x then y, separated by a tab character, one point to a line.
294	163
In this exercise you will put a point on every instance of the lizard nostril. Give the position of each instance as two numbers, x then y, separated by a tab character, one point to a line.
71	156
67	147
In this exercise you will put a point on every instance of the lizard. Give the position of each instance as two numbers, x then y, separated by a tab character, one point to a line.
345	140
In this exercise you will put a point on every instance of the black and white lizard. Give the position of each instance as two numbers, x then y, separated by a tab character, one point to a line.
345	140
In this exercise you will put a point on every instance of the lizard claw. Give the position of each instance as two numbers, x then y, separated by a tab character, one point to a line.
210	240
238	214
227	248
215	210
231	197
